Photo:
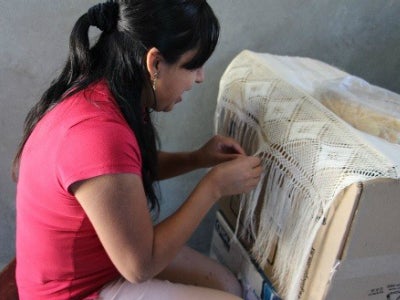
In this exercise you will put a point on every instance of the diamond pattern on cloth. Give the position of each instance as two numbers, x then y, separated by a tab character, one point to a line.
309	156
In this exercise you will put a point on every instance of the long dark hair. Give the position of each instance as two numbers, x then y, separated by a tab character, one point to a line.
118	56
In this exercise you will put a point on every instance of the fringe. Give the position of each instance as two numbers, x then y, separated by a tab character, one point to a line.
291	198
290	203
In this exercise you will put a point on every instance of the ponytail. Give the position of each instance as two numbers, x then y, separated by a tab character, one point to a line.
78	63
87	65
129	28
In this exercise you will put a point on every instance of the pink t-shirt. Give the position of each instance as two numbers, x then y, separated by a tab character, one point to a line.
59	255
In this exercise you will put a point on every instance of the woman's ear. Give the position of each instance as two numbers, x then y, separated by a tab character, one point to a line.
153	58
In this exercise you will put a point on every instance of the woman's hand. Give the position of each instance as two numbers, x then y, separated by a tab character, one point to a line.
218	149
236	176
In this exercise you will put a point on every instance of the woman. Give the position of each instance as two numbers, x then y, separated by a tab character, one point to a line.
88	162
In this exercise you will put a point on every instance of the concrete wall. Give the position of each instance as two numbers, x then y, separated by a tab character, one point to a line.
359	36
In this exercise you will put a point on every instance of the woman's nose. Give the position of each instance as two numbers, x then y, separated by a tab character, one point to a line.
199	75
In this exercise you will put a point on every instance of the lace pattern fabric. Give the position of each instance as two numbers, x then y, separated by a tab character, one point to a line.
309	155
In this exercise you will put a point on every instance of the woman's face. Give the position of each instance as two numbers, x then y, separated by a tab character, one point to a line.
173	80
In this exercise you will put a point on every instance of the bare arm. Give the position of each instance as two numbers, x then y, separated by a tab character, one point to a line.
177	163
116	205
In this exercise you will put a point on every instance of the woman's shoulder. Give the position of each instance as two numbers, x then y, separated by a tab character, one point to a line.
95	101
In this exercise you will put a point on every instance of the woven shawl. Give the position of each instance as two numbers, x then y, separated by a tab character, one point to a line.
309	156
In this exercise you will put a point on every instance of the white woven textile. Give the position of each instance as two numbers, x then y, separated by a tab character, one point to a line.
309	156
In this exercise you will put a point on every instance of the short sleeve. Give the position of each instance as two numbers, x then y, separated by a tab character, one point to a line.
97	147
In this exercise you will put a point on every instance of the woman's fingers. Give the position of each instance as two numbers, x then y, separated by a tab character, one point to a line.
237	176
230	146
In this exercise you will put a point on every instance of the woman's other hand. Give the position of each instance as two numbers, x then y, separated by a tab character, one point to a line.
217	150
239	175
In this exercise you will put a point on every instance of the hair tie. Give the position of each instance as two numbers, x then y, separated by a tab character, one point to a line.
104	15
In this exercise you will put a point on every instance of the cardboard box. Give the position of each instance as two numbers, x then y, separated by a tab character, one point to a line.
229	251
356	254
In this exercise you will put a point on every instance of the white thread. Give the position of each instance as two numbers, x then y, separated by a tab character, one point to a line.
309	156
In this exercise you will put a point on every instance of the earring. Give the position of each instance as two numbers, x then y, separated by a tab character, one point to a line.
154	80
